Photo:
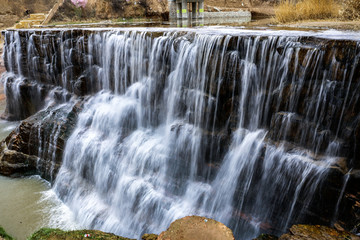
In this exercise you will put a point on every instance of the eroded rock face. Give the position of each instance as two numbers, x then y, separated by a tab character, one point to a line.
36	145
195	227
24	98
308	232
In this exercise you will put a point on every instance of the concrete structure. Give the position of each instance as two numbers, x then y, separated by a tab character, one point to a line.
34	19
241	14
180	9
39	18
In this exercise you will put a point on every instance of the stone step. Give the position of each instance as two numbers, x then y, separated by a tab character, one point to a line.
22	24
27	23
37	16
31	21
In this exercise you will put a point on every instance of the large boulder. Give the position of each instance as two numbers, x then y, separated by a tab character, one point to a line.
36	146
196	228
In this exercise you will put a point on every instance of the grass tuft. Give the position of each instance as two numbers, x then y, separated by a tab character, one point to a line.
288	11
4	235
351	10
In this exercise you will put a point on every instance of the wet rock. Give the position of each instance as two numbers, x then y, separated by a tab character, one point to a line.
199	228
350	211
309	232
24	98
37	144
292	127
266	237
13	163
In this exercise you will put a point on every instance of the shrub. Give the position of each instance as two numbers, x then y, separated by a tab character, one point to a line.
351	9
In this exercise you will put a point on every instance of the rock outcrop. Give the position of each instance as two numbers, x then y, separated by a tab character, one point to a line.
195	227
36	145
316	232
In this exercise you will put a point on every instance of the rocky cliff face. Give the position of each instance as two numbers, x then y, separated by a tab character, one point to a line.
298	95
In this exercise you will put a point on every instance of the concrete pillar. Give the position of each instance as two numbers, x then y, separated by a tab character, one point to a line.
201	9
184	9
172	9
178	10
185	23
194	10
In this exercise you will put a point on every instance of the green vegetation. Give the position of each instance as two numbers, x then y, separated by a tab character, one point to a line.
4	235
130	20
57	234
288	11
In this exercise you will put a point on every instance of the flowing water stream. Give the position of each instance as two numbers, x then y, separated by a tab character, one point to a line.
194	123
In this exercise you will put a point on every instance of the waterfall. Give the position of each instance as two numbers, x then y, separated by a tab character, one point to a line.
240	127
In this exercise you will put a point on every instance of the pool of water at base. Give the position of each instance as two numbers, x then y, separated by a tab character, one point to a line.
27	204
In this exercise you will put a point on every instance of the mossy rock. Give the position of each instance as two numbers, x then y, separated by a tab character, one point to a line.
147	236
57	234
4	235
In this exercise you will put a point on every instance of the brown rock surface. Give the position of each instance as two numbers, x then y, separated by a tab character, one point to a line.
316	232
147	236
196	228
19	152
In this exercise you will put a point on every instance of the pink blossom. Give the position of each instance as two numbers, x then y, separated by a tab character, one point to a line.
79	3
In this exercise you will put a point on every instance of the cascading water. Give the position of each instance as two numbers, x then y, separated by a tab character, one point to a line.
235	127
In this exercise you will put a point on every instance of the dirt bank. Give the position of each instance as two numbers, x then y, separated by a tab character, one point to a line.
258	8
12	11
112	9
